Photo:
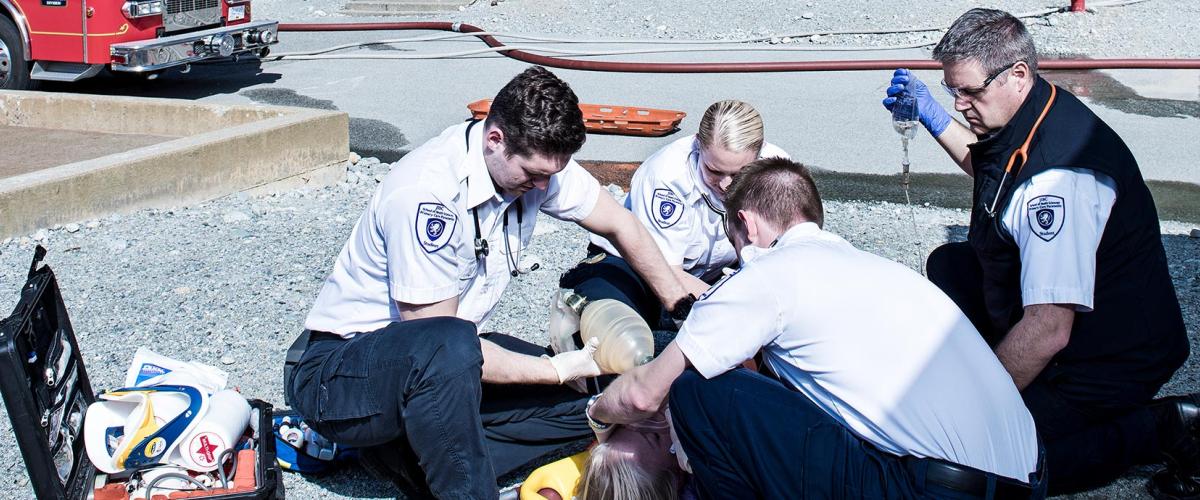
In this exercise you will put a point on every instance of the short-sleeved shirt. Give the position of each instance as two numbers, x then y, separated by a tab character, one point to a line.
1057	218
415	241
683	215
875	345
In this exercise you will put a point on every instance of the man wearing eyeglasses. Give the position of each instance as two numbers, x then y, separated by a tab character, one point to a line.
1063	270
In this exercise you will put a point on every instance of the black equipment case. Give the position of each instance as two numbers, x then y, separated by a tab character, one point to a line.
46	392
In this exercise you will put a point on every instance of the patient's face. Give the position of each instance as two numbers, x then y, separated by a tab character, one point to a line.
647	443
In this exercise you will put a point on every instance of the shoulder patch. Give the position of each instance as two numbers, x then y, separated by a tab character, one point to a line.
1047	214
435	225
667	207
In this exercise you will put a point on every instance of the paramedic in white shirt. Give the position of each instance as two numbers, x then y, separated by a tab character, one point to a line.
678	193
879	386
394	364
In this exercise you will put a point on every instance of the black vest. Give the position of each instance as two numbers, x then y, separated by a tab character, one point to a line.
1135	332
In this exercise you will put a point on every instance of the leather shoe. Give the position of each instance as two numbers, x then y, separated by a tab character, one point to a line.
1164	485
1179	433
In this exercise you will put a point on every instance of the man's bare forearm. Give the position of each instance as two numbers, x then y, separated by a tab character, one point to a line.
1033	341
691	284
638	248
502	366
641	392
955	140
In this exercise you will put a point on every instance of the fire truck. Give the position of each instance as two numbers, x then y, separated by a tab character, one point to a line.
69	40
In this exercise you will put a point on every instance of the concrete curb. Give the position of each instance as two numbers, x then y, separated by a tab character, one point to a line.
221	150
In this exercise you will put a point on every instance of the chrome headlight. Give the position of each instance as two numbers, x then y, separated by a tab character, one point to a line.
142	8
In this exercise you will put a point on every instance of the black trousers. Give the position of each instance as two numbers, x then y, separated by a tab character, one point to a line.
411	394
749	436
613	278
1089	440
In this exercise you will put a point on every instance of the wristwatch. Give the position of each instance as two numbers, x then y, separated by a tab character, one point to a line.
597	425
683	307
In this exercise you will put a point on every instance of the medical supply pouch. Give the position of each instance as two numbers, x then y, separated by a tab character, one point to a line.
298	448
46	392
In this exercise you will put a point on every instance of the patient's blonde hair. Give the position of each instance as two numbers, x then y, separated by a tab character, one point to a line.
609	475
733	125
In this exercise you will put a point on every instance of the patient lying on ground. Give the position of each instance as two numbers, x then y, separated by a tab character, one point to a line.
634	462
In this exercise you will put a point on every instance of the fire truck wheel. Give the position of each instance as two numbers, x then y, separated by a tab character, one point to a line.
14	69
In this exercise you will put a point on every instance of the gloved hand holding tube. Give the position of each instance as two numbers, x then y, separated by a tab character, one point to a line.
575	365
931	114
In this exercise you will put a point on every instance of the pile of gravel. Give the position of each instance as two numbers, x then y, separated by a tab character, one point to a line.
1153	28
228	282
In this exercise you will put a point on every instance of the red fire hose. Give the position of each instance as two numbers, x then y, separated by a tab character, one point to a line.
726	67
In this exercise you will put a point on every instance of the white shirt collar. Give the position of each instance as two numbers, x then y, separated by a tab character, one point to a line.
473	170
699	189
799	232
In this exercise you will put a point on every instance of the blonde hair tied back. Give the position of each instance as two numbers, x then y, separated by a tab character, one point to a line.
733	125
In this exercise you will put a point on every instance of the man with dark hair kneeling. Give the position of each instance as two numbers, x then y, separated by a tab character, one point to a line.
877	385
394	362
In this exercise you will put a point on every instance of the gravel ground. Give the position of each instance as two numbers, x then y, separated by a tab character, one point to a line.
228	283
1153	28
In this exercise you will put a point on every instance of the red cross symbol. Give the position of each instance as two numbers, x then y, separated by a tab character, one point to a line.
206	450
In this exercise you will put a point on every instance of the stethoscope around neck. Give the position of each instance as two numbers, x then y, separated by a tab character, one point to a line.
1022	151
481	244
482	249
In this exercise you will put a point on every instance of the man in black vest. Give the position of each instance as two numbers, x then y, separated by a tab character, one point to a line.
1063	270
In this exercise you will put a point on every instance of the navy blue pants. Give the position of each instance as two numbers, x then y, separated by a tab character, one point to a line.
613	278
1090	440
749	436
411	395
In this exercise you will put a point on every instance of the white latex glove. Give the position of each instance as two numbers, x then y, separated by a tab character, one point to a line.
576	365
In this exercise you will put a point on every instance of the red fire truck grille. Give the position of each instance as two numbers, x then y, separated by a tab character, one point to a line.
191	14
177	6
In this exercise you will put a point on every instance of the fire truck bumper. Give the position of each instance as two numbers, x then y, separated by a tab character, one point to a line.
161	53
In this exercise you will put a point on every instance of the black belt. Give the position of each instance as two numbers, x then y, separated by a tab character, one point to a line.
294	353
970	481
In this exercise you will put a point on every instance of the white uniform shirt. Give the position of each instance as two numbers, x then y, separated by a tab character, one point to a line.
1057	218
415	241
878	347
685	217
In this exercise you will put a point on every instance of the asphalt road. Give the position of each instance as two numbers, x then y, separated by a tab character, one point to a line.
829	120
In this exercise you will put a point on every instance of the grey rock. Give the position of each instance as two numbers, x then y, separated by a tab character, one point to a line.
40	235
1195	233
71	228
235	216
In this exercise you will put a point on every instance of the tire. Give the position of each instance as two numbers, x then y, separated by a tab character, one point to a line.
14	69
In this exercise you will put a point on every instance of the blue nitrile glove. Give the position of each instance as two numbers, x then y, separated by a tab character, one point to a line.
932	115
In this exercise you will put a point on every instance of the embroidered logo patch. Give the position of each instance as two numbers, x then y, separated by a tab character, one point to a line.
1046	216
668	208
435	225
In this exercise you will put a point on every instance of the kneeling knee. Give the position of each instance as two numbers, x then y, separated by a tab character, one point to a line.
455	341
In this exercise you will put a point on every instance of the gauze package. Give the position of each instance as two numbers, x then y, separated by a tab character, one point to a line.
150	368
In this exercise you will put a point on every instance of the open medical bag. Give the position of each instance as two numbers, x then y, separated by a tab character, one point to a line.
46	392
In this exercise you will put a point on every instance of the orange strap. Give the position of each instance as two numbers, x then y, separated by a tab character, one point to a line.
1023	151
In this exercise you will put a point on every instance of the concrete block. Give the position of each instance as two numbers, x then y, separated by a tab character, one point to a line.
220	150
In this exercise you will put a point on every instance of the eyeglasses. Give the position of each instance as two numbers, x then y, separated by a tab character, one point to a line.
973	92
